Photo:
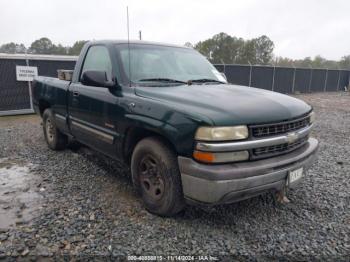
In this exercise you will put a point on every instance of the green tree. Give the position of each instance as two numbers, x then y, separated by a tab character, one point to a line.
59	50
263	47
188	44
330	64
76	48
284	61
13	48
206	48
223	48
318	62
227	48
344	63
42	46
305	63
45	46
247	53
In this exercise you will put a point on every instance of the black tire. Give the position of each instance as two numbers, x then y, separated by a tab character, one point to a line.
156	176
54	138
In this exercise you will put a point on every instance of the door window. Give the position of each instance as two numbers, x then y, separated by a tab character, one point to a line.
98	58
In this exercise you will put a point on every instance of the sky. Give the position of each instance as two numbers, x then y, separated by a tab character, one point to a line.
298	28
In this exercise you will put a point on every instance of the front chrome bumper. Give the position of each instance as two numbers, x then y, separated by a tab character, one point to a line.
216	184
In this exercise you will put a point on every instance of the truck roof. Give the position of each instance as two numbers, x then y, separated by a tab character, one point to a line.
134	42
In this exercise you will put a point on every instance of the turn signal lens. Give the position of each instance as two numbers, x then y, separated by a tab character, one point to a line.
221	133
204	156
225	157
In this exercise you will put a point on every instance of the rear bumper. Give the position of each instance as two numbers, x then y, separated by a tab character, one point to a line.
217	184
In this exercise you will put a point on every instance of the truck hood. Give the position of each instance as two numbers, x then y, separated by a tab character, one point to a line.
228	104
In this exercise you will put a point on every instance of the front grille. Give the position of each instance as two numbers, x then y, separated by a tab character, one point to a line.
268	151
266	130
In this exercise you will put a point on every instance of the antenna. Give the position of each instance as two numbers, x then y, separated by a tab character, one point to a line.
127	18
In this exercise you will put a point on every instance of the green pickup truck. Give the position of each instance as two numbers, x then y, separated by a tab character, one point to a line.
188	135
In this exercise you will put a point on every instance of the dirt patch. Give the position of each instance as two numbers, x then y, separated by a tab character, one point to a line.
12	121
19	200
335	101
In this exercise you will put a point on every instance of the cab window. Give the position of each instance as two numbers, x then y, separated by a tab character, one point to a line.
98	58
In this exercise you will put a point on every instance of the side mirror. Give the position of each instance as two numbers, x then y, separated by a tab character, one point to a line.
96	78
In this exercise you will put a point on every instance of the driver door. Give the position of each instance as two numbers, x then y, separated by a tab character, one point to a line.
88	105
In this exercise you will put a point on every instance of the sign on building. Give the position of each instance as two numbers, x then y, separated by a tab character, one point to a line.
26	73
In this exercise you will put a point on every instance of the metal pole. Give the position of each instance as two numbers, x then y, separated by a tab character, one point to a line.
273	78
29	83
294	73
325	81
250	74
222	61
338	79
311	69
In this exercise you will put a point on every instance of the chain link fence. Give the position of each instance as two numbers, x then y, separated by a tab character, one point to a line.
15	97
286	79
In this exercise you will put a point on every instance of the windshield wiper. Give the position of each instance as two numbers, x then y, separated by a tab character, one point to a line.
205	80
167	80
189	82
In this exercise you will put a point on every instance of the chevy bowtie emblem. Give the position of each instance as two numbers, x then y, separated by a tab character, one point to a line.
292	137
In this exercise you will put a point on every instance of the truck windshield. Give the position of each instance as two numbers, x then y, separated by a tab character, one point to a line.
164	65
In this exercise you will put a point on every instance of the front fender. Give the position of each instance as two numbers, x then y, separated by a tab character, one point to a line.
179	135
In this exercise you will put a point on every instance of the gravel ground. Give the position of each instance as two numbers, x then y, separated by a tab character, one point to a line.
85	204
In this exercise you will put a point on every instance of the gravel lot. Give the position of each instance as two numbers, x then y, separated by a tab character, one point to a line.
82	203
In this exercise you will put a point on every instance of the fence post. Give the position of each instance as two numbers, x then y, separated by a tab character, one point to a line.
338	79
273	77
250	74
294	73
224	66
29	83
311	71
325	81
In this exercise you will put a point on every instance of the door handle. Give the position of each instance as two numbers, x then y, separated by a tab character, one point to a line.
75	93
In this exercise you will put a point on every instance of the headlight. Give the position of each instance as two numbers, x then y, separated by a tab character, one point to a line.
222	133
312	117
222	157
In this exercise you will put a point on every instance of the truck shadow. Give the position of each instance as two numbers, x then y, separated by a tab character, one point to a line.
118	174
115	177
112	167
252	207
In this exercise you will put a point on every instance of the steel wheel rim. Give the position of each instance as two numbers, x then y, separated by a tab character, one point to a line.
49	130
151	180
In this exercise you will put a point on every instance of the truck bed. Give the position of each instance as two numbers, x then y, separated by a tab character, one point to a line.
53	91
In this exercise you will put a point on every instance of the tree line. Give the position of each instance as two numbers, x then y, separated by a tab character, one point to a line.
223	48
43	46
219	49
316	62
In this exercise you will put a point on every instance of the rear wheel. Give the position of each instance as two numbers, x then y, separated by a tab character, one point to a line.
157	177
54	138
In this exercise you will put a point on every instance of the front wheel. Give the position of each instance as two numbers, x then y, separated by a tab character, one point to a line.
156	176
54	138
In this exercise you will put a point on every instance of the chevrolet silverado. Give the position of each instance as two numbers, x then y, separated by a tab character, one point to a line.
188	135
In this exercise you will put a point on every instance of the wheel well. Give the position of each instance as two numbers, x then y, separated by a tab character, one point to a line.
43	105
135	135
